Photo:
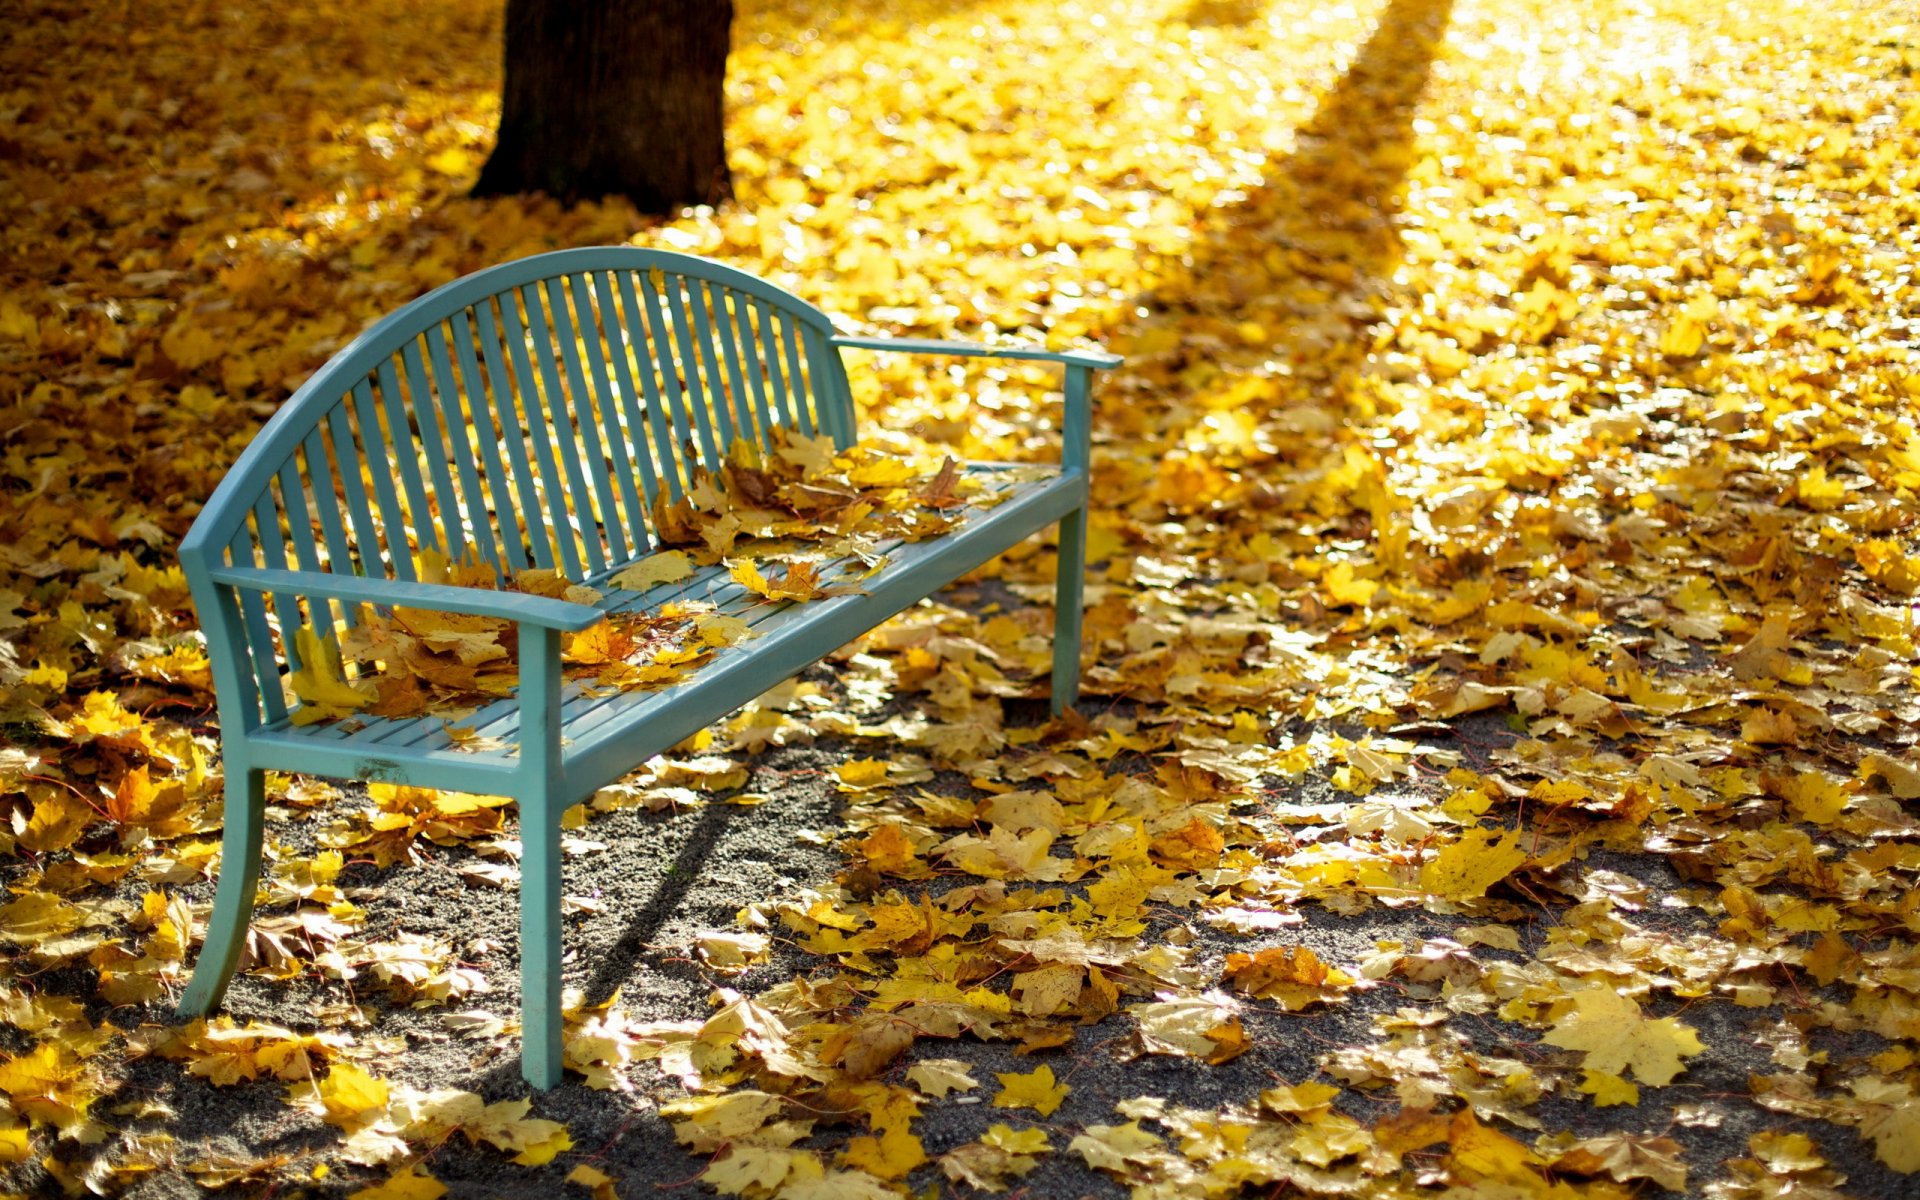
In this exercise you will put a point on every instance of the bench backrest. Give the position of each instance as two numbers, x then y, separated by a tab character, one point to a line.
528	415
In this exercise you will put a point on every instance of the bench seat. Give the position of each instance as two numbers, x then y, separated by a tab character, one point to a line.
599	726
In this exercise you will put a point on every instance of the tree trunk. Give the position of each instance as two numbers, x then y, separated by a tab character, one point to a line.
613	97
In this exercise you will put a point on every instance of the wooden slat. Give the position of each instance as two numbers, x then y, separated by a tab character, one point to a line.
540	419
726	332
828	411
322	480
259	634
306	554
273	553
506	515
551	331
481	523
601	512
436	450
673	462
630	523
405	459
696	399
699	300
797	381
783	390
512	421
756	348
347	467
384	469
647	360
633	420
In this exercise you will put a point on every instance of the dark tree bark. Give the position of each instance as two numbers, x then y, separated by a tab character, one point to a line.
613	97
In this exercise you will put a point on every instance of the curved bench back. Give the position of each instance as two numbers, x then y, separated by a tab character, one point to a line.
528	415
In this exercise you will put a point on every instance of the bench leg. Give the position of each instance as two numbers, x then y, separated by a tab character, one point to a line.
1066	610
540	1016
245	820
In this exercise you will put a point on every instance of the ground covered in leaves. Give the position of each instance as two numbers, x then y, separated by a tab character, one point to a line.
1497	772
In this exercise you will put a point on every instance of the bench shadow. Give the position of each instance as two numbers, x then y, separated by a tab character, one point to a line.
618	962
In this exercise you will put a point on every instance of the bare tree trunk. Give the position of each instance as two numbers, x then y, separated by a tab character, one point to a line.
613	97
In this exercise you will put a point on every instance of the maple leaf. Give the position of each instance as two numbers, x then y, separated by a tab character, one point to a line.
1113	1147
939	1076
320	683
1292	975
1468	867
1616	1037
1194	846
1002	1155
1624	1157
413	1183
1891	1117
668	566
1036	1090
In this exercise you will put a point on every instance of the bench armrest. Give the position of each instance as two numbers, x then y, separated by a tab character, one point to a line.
1076	430
1097	359
541	611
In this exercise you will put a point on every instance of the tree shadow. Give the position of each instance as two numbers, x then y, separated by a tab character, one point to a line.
1285	286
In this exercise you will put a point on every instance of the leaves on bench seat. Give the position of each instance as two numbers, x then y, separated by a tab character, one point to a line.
797	524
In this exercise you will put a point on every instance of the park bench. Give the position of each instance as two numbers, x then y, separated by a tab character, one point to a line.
529	416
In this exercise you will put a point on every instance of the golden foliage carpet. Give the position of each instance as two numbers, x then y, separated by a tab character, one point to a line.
1516	445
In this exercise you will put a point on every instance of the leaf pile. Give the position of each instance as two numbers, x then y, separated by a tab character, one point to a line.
1498	770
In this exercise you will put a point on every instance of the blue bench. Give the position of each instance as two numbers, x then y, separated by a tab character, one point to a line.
528	416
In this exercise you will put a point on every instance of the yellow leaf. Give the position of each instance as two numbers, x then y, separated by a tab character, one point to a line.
1036	1090
320	682
1608	1090
1195	846
14	1146
37	916
938	1076
411	1184
668	566
861	774
1292	975
59	817
1474	863
348	1093
1617	1037
1342	587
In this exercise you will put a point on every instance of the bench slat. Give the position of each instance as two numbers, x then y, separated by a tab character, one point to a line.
393	514
695	392
258	636
547	328
797	383
631	521
512	423
597	512
633	423
347	471
656	419
487	436
435	449
755	345
709	304
673	386
333	531
417	515
482	515
523	325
